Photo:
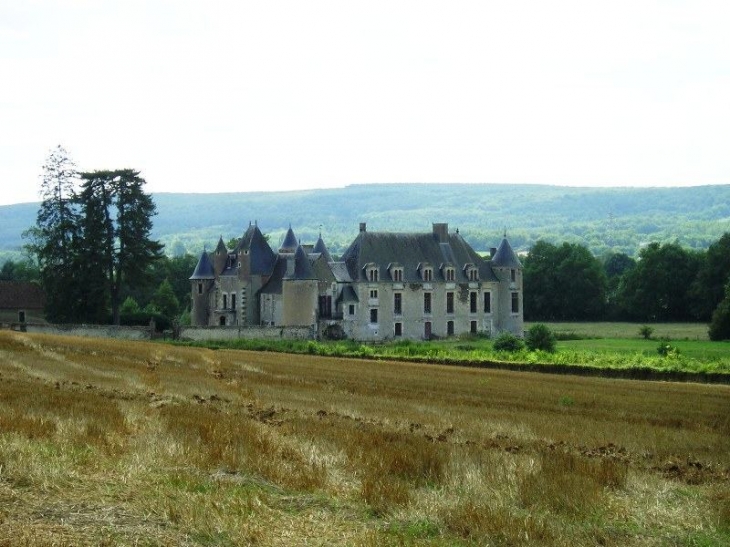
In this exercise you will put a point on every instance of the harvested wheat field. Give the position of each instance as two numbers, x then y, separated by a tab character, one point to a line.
120	443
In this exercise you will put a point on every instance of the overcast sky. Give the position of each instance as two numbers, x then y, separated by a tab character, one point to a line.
274	95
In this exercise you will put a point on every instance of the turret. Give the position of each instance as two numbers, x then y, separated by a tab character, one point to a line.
220	256
290	243
321	248
299	291
508	269
201	283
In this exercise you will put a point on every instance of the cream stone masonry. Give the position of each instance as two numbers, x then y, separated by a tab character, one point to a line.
385	286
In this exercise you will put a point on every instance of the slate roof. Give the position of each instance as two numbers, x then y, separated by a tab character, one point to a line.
302	267
505	257
339	270
290	243
254	243
19	295
412	250
321	248
204	269
348	294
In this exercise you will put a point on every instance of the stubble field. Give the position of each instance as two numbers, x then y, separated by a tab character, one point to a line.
117	443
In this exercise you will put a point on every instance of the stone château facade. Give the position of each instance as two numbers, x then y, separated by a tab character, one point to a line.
385	286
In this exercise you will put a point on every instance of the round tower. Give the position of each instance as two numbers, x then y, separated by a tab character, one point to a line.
508	269
201	284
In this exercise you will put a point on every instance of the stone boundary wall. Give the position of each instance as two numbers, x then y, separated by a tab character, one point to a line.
89	331
186	333
248	333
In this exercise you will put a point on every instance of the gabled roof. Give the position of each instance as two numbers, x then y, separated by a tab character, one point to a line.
262	258
290	242
505	257
321	248
302	268
204	269
410	250
19	295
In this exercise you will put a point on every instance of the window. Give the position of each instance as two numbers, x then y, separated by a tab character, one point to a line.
200	288
373	293
325	306
397	274
222	321
233	301
374	315
473	327
449	328
515	302
225	301
473	302
449	274
487	302
513	275
397	303
427	274
427	330
351	309
449	302
373	273
398	330
427	302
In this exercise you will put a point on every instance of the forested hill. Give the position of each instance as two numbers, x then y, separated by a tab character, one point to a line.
622	219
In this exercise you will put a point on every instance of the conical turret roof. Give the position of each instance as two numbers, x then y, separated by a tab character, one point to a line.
505	257
221	247
302	267
321	248
254	243
290	243
204	269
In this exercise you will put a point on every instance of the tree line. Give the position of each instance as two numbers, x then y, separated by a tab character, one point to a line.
666	283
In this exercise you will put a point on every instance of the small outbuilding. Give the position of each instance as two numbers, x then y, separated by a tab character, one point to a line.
21	302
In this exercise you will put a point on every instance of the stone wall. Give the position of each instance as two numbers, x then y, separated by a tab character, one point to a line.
186	333
248	333
91	331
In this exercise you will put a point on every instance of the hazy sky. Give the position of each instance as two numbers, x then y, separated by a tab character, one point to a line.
275	95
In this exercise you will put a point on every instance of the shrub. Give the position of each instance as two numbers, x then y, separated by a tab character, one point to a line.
665	349
540	337
645	331
508	342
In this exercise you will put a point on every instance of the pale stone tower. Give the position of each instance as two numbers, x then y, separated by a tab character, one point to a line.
299	291
508	270
201	284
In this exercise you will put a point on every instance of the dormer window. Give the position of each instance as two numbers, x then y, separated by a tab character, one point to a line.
426	272
449	273
371	272
396	272
471	272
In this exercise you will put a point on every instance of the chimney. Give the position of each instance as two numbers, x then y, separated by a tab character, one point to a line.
441	231
492	252
363	226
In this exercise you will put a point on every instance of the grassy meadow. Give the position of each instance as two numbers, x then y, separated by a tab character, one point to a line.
611	349
136	443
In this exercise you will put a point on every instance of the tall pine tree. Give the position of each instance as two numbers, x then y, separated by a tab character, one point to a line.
53	237
122	221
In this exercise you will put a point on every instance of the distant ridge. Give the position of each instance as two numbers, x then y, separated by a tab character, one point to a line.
603	219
